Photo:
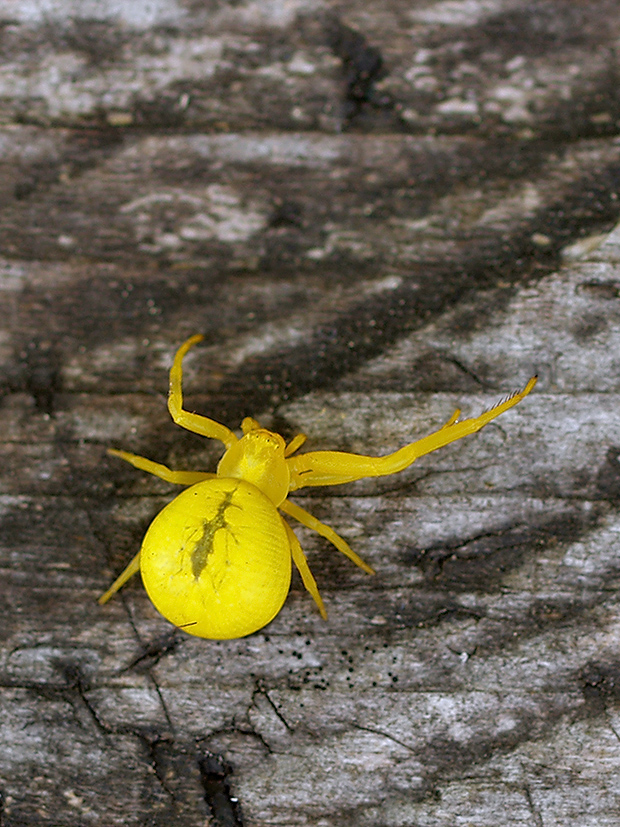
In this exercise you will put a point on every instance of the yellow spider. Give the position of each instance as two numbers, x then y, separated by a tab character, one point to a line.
216	561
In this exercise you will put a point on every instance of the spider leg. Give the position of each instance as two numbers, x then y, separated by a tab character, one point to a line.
161	471
299	558
132	568
190	421
305	518
335	467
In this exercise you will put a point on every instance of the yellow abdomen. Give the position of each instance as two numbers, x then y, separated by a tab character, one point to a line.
216	561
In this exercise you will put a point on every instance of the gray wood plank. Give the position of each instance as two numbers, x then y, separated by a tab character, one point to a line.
374	214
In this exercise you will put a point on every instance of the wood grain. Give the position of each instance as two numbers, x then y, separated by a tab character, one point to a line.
374	214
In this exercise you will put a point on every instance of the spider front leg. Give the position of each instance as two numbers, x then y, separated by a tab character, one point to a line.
336	468
190	421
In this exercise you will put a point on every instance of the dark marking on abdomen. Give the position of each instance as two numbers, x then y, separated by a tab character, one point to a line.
204	544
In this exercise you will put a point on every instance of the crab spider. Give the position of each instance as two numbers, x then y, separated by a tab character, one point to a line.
217	560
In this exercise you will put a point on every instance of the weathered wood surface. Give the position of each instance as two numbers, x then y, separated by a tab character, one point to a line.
373	212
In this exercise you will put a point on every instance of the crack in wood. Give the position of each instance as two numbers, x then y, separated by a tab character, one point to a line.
215	774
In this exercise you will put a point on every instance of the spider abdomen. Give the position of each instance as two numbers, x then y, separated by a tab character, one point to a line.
216	561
